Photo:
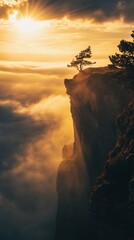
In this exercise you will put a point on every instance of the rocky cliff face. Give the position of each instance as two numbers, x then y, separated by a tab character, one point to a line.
112	199
97	97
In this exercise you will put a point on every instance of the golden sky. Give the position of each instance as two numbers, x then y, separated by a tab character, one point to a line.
60	40
28	34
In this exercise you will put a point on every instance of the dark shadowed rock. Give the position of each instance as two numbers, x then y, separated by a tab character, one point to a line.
98	96
112	200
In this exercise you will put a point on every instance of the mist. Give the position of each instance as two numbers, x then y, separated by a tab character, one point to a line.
35	124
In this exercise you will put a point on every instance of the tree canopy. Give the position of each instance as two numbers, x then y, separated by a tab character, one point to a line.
126	58
80	60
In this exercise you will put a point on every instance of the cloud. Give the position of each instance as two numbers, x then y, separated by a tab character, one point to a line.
11	3
17	128
33	132
17	79
34	69
8	6
97	10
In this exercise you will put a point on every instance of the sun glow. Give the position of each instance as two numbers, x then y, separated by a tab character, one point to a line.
13	16
27	24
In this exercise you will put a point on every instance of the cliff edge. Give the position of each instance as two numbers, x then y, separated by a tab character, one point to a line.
97	97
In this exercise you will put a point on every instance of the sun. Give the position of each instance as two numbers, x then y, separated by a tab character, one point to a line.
27	24
24	24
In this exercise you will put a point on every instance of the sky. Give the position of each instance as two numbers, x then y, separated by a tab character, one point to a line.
37	41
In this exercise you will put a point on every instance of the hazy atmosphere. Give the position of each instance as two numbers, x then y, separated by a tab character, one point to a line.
37	41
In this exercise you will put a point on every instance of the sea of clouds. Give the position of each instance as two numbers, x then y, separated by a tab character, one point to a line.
35	123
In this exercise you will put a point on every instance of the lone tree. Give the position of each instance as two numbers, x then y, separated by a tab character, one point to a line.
126	58
80	60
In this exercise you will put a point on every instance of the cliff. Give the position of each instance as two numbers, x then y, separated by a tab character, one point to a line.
112	198
97	97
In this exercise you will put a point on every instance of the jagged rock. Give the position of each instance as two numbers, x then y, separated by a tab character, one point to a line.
97	97
112	201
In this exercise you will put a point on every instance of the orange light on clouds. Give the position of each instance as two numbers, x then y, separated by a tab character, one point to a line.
57	41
